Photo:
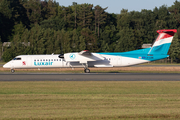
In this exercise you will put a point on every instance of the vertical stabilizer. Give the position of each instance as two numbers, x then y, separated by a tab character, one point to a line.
163	42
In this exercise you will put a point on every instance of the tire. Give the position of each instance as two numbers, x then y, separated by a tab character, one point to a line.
12	70
87	70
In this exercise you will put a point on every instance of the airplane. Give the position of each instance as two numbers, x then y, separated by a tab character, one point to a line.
87	59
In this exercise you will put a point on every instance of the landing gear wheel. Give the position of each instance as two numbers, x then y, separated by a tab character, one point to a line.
87	70
12	70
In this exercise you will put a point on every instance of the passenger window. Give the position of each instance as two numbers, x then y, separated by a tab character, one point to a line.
34	60
54	59
51	59
43	59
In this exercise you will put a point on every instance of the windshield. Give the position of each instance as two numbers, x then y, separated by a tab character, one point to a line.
17	59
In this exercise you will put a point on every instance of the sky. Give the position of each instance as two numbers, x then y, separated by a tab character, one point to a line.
115	6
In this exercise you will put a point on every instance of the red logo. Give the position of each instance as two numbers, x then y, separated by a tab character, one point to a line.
24	62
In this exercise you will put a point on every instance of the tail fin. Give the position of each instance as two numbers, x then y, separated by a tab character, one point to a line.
163	42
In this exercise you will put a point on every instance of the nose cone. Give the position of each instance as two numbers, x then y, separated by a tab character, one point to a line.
7	65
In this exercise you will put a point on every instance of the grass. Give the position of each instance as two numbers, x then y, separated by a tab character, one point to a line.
90	100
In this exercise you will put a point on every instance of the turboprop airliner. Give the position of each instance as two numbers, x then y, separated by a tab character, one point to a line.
87	59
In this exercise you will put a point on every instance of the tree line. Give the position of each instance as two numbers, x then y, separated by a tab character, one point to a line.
50	27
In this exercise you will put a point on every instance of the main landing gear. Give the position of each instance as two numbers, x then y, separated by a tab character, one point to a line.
12	70
86	70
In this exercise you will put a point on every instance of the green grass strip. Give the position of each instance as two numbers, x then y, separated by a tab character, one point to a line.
90	100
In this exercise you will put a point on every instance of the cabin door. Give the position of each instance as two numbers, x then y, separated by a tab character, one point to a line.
119	60
62	62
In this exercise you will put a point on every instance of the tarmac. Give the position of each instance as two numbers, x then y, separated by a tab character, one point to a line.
89	76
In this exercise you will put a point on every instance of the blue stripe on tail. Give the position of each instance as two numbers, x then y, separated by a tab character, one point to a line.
161	49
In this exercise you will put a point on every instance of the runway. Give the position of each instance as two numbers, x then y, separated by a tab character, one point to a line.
90	77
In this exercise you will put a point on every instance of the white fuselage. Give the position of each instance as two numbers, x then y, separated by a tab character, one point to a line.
53	61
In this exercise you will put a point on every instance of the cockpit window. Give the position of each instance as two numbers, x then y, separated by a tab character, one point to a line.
17	59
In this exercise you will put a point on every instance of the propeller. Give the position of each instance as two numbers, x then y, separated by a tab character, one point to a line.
61	56
62	53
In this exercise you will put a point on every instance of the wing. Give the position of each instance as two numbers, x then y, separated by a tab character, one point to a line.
85	53
82	57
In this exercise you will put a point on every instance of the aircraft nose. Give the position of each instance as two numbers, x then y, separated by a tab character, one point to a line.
7	65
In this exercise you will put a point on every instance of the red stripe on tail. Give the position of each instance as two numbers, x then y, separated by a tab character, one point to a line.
165	33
